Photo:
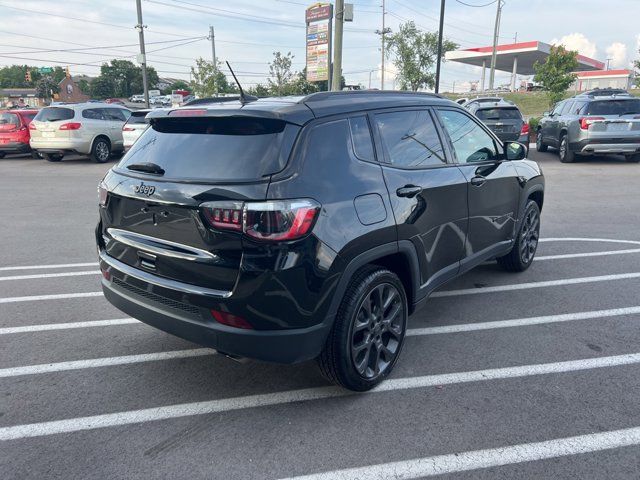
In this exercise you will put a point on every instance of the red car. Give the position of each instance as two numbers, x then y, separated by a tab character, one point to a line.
114	100
14	131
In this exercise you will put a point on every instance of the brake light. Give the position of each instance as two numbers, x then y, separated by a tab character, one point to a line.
231	320
102	195
525	129
127	129
32	126
188	112
586	121
271	221
70	126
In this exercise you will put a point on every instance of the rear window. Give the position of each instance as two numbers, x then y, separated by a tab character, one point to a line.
499	114
28	117
614	107
10	119
214	149
54	114
138	117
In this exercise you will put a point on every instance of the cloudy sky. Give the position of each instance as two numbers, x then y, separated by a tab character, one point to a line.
84	33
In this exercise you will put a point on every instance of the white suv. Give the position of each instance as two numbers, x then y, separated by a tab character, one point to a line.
93	129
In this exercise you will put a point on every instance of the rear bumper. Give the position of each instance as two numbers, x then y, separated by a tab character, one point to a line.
590	147
177	311
15	147
61	145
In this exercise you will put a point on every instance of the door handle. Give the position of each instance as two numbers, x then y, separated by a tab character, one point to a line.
478	181
408	191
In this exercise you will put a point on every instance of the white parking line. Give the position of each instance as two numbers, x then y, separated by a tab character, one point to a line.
291	396
521	322
493	457
103	362
582	239
525	286
588	254
57	296
49	275
64	326
43	267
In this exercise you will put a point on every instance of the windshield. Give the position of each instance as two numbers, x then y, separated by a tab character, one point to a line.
54	114
614	107
214	149
499	114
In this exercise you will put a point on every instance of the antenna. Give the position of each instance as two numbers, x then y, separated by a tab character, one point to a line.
243	98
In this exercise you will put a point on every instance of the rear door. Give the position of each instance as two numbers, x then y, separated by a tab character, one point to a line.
493	187
505	122
428	193
156	222
551	131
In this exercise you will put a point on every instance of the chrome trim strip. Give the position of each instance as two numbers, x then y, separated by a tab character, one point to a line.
162	282
146	243
611	147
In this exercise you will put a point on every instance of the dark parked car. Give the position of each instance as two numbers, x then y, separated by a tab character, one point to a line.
14	131
502	117
599	122
310	227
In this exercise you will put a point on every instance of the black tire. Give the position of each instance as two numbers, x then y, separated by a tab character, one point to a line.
360	328
540	145
526	242
35	155
2	154
565	154
52	157
633	158
101	150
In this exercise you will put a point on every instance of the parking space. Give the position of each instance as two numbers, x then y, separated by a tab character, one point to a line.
530	375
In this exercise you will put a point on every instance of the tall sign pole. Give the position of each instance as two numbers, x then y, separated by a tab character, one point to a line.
439	59
336	83
496	30
143	56
384	32
318	19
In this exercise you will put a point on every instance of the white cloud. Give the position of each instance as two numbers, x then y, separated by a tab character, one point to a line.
577	42
617	52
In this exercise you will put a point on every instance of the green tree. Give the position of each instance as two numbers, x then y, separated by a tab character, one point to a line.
84	86
179	85
46	87
415	53
259	90
208	80
126	77
102	87
556	73
281	74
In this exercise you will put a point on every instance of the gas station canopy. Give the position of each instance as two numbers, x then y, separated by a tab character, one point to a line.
516	57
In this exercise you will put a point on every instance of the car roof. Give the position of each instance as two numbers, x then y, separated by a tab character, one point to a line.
86	105
301	109
18	110
490	102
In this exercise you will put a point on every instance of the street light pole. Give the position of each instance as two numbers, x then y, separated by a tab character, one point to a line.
140	26
438	60
212	37
336	83
496	30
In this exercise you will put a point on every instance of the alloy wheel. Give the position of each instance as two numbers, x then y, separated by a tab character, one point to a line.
563	148
102	151
529	236
378	330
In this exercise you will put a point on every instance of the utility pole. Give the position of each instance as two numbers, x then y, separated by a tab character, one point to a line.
382	33
336	82
143	56
608	60
438	60
496	30
212	37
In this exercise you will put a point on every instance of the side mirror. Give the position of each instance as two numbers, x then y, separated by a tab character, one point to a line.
515	151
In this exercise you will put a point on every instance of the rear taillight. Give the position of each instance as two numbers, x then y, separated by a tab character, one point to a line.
525	129
32	126
586	121
230	320
102	195
270	221
70	126
127	129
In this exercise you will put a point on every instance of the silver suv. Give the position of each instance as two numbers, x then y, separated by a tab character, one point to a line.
93	129
599	122
502	117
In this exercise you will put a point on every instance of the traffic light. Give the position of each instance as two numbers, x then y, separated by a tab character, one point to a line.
27	76
66	72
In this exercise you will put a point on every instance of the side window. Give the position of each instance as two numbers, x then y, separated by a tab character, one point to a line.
470	142
114	114
361	138
410	139
558	108
579	108
566	109
126	113
93	114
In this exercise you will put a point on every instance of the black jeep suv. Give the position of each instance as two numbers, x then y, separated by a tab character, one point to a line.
295	228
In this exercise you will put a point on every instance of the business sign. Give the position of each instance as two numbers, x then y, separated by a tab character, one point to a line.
318	42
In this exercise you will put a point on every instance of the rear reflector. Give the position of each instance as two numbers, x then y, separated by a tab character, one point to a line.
231	320
70	126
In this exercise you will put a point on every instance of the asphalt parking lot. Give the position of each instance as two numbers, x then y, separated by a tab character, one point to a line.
532	375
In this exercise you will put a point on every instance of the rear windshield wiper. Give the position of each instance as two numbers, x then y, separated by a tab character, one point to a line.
147	168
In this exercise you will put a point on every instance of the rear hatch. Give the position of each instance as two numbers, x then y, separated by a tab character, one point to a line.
10	128
505	122
612	121
154	219
47	123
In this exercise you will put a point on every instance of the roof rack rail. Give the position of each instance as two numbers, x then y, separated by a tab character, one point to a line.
318	96
604	92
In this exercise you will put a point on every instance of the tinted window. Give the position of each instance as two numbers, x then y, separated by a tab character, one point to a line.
499	114
93	114
578	108
9	119
566	108
27	117
470	142
614	107
361	138
410	139
558	108
214	149
116	114
138	117
54	114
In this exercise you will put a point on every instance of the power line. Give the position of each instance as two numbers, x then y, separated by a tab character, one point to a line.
476	6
